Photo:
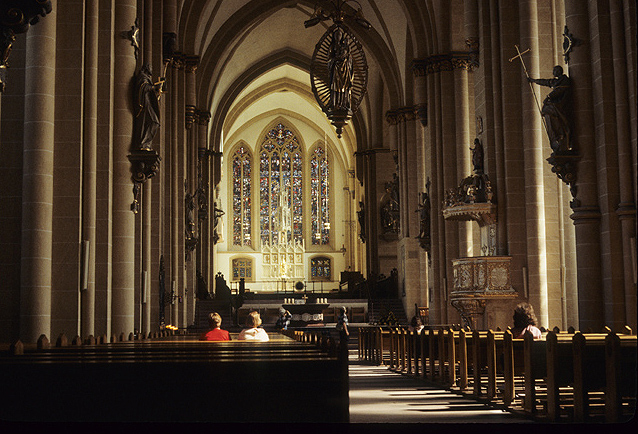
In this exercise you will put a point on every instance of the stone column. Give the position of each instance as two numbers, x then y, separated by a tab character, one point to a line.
177	231
89	169
626	208
371	212
450	179
586	214
37	180
495	85
463	141
437	296
181	175
424	172
534	162
205	237
147	188
191	63
123	293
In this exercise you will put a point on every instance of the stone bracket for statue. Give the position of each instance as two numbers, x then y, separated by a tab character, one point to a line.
565	165
144	164
190	243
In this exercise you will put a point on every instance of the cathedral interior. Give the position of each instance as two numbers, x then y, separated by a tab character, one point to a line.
458	156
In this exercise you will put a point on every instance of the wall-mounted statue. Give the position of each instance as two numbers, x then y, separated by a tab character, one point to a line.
424	216
218	232
557	109
147	110
189	215
477	157
361	215
390	206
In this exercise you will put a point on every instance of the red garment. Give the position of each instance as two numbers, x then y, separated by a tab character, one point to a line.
215	335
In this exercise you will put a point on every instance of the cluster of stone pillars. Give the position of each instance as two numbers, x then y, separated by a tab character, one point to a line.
561	246
113	286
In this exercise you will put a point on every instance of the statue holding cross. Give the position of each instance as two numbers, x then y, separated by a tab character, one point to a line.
557	106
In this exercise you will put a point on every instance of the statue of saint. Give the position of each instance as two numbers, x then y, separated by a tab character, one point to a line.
341	71
190	215
557	109
361	214
147	111
424	214
390	206
218	224
477	157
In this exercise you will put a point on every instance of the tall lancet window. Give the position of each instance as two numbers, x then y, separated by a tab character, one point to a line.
242	224
280	189
320	196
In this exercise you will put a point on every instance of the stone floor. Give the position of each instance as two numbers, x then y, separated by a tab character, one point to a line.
381	396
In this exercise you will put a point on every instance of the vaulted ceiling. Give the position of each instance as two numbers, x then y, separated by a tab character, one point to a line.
256	54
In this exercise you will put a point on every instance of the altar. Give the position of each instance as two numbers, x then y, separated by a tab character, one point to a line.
306	314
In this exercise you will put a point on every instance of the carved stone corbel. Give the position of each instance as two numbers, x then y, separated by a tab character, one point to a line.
565	165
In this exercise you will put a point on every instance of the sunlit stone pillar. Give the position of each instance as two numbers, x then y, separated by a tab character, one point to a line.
89	169
123	293
37	180
534	163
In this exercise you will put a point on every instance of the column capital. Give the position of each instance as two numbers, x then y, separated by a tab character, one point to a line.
202	117
403	114
467	60
191	62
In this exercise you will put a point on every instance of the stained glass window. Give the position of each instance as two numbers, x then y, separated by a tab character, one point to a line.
243	267
280	187
320	268
241	197
320	196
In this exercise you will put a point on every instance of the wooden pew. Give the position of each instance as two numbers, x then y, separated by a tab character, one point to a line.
620	377
555	378
175	380
603	363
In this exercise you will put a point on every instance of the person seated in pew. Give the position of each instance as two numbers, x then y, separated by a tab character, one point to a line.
215	333
284	319
253	332
342	326
416	325
524	320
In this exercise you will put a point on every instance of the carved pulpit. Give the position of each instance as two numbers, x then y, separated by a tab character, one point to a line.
483	279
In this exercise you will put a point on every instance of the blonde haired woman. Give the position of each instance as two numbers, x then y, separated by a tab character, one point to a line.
253	332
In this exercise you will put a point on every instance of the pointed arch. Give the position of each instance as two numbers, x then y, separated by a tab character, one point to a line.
280	155
241	167
320	171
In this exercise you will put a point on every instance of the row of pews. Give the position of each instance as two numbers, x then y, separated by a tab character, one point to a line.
564	377
173	378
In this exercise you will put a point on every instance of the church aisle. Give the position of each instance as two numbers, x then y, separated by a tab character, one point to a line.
378	395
